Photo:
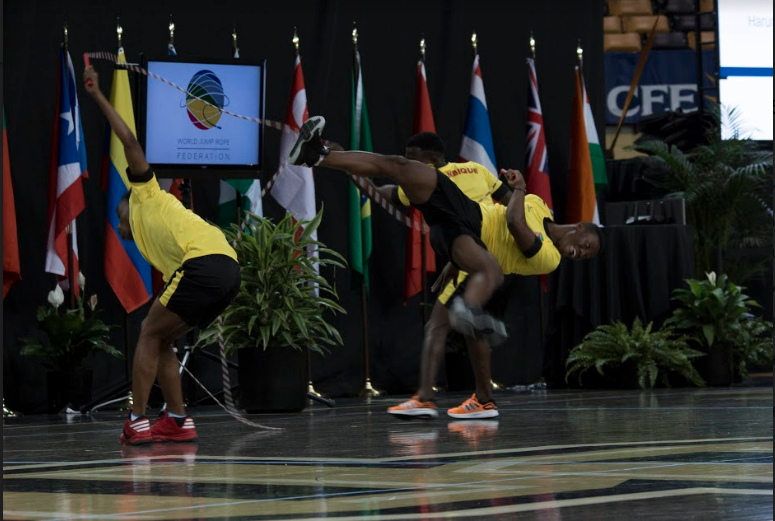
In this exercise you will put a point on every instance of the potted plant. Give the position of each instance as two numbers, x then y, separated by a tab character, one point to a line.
725	183
640	354
278	313
70	338
715	314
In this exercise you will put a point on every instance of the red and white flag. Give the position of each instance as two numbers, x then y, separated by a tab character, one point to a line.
294	188
413	272
537	161
68	168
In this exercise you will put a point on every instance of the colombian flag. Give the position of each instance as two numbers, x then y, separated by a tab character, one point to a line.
128	273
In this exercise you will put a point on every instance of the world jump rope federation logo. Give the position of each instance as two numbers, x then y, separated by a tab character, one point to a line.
207	86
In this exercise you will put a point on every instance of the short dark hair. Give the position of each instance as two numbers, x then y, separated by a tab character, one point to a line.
126	196
428	142
597	230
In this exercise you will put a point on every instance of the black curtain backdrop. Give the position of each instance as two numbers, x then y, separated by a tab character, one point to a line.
389	45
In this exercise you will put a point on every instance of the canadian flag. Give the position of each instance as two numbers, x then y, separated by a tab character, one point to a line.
294	188
68	168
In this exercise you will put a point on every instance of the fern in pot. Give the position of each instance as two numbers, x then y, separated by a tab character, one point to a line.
636	355
280	311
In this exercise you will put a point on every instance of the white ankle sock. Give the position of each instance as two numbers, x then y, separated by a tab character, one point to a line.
173	415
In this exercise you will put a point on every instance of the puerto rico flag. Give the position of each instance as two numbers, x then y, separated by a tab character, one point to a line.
537	161
68	168
477	137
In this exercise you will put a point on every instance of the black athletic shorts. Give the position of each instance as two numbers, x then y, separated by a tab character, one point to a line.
201	289
497	304
450	214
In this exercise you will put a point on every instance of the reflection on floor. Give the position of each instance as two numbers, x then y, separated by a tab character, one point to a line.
668	454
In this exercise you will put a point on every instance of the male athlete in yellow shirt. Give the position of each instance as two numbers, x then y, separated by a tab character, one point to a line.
465	230
200	270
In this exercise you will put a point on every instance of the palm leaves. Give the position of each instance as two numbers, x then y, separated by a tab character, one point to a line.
653	353
725	184
282	299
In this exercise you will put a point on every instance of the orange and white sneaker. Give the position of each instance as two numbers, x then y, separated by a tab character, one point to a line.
471	409
414	408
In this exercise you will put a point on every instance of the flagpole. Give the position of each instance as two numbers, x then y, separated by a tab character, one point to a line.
541	301
368	390
423	234
69	228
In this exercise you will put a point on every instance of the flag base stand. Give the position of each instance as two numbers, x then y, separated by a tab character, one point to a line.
8	413
311	391
496	386
368	391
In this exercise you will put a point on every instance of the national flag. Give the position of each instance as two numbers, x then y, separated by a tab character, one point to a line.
413	272
250	200
128	273
294	188
359	204
477	137
586	159
249	190
11	264
68	168
537	161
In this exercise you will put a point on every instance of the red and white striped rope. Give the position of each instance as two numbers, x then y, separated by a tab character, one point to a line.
100	55
364	185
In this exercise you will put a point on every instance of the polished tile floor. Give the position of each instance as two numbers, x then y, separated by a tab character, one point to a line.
552	455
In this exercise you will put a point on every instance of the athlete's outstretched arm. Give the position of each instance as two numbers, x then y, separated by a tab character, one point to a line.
134	152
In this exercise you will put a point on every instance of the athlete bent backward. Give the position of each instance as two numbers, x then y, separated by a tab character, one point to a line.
460	223
200	270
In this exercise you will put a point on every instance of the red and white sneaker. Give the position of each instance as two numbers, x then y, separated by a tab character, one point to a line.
168	428
471	409
136	432
414	408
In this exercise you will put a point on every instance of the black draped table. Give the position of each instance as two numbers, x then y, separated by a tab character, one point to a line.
634	276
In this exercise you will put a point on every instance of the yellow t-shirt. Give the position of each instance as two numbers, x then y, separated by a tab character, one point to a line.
166	233
500	242
473	179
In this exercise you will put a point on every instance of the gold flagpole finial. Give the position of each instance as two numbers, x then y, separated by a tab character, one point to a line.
295	39
65	36
355	36
422	48
580	53
119	31
474	42
532	45
172	30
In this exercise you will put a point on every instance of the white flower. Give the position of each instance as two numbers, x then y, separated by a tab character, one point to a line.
81	280
711	277
93	302
56	297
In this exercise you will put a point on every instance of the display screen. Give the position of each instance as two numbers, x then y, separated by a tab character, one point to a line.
745	55
183	130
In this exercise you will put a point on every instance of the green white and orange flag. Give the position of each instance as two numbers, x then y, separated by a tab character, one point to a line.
587	164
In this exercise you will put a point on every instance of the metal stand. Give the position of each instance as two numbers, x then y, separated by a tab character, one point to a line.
369	391
8	413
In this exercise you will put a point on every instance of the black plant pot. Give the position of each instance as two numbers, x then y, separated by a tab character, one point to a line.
717	367
274	380
68	388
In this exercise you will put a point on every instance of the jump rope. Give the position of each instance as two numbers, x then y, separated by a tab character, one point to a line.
364	185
